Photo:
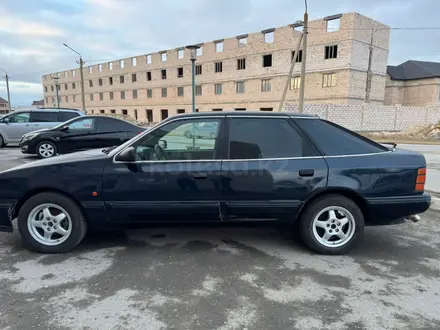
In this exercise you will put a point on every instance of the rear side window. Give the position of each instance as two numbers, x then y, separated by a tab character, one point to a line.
260	138
334	140
44	117
109	124
66	115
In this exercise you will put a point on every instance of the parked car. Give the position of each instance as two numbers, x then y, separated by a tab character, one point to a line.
315	176
78	134
202	130
14	125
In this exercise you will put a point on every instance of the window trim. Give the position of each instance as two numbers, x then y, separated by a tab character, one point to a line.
224	137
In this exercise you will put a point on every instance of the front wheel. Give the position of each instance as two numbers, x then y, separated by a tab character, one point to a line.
51	223
46	149
333	224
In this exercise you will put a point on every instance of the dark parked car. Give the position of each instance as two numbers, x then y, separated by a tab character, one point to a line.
83	133
317	177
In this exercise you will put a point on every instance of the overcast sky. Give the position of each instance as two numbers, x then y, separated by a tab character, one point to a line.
32	31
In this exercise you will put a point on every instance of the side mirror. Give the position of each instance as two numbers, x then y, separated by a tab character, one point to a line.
163	144
128	155
6	120
64	128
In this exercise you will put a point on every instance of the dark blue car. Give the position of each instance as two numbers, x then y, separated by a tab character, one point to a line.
301	171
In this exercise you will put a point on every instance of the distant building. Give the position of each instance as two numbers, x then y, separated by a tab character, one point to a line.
413	83
346	64
38	104
4	106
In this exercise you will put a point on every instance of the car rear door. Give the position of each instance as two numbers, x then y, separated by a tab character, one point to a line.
112	132
43	119
179	182
269	170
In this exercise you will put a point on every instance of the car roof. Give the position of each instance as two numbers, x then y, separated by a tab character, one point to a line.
45	109
246	113
108	117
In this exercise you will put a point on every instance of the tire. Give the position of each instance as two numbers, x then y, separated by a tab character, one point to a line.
1	141
49	147
33	237
317	220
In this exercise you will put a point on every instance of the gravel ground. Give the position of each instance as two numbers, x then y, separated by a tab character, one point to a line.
222	278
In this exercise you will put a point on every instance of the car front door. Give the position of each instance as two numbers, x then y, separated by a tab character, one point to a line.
270	169
78	135
15	126
174	178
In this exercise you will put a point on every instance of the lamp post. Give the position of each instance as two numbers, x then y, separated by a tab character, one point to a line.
7	89
303	61
193	57
81	63
57	89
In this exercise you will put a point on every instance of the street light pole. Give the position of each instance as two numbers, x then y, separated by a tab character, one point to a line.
7	89
56	88
81	64
303	61
193	57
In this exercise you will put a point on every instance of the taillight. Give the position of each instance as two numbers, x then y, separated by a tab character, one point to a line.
421	179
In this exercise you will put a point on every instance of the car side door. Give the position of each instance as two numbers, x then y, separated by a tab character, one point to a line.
112	132
173	178
77	135
42	119
270	169
15	126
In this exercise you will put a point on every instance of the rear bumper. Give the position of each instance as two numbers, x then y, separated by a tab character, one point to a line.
6	208
386	210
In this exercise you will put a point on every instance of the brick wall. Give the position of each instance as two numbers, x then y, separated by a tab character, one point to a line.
365	117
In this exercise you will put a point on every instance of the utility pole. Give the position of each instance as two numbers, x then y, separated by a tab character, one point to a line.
303	61
193	58
56	88
369	72
81	64
7	89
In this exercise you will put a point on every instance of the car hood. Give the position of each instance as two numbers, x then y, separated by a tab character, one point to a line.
93	154
38	131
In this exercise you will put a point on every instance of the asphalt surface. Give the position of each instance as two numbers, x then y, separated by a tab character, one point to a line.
222	278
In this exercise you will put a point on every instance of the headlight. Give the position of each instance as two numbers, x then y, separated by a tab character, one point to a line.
29	137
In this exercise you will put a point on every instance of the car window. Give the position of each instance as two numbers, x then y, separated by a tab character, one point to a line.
181	140
334	140
66	115
110	124
22	117
82	124
259	138
43	117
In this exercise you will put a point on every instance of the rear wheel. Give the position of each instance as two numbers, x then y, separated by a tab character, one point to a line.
333	224
46	149
51	223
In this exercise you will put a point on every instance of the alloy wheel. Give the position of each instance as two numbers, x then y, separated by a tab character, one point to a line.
46	150
334	226
49	224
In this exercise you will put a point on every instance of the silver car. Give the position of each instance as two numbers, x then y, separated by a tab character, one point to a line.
14	125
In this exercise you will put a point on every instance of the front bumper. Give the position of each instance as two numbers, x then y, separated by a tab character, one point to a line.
28	147
6	215
387	210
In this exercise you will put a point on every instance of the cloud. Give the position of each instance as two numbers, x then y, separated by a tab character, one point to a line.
32	32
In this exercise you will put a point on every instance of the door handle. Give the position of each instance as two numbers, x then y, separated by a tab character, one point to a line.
27	125
307	172
200	176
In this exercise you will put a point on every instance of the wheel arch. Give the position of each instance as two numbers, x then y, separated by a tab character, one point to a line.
19	204
351	194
